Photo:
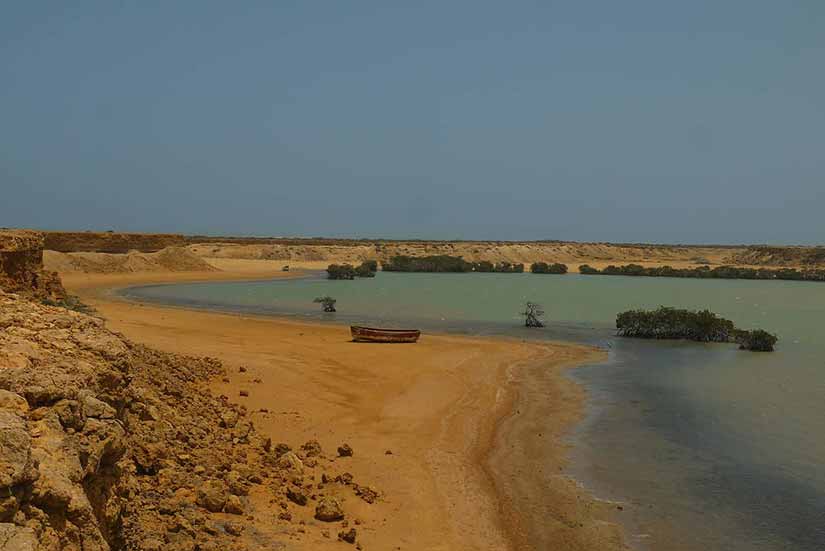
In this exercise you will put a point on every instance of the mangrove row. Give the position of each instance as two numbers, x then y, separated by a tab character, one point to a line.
705	272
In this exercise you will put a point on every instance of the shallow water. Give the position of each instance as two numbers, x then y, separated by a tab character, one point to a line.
710	447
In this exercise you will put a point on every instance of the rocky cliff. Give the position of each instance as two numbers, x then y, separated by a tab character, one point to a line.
106	445
21	266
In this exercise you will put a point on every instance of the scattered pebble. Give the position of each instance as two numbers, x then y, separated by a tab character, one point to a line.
347	536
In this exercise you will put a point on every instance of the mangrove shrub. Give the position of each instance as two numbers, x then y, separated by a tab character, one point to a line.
701	326
545	268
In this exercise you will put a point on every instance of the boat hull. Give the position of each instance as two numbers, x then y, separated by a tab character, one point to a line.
373	334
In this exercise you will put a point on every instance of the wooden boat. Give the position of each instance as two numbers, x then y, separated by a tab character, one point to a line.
372	334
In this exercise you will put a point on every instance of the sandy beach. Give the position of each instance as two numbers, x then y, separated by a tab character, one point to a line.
462	437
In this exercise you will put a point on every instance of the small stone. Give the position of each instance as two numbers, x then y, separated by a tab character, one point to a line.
233	506
285	515
244	393
281	449
233	528
344	450
345	479
291	462
13	402
388	452
329	510
366	493
296	497
312	449
347	536
212	496
242	369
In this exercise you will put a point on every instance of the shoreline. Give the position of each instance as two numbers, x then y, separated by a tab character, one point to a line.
496	458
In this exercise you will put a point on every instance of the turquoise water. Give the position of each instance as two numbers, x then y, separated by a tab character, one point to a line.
709	447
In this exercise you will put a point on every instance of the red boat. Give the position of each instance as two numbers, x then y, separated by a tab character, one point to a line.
372	334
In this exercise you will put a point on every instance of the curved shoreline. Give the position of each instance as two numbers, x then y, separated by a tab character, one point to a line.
524	507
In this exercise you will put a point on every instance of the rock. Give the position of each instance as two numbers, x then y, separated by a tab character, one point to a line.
16	462
366	493
329	510
242	369
388	452
291	462
212	496
17	538
92	407
8	508
233	528
296	496
229	418
70	413
150	413
312	449
244	393
237	485
285	515
13	402
233	505
347	536
344	450
345	478
281	449
152	544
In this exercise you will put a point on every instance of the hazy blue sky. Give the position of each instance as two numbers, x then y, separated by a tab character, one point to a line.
700	121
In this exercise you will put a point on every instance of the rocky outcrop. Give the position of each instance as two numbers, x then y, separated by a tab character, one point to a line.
21	266
109	445
100	439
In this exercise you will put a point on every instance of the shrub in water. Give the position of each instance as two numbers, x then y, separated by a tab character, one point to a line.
340	271
756	340
702	326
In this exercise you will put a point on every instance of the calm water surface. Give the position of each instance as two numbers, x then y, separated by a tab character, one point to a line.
709	447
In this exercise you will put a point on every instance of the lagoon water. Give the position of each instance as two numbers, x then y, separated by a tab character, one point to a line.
708	447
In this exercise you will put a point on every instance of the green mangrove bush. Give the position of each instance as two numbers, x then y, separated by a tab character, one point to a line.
701	326
545	268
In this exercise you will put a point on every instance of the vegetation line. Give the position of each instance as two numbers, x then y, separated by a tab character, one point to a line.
705	272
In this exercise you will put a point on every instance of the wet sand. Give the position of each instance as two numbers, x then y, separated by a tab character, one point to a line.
475	427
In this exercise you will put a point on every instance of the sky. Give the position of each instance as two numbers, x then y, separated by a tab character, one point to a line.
632	121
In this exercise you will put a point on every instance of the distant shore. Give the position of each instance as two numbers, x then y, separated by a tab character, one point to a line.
475	426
